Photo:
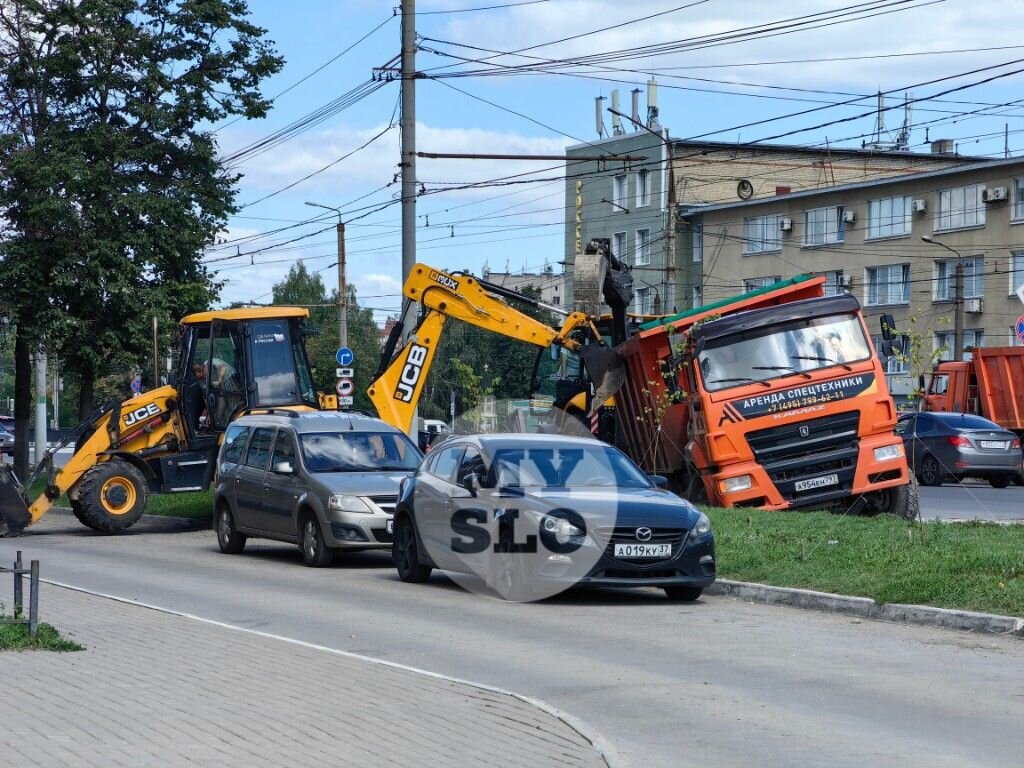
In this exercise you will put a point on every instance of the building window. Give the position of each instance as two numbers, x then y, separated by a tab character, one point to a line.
889	217
1018	198
761	234
835	282
960	207
697	296
643	301
619	193
945	279
894	363
643	188
756	283
698	243
1016	270
823	226
888	285
619	245
643	247
944	342
556	301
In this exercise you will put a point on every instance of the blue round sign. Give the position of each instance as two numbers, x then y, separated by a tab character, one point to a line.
136	385
345	357
1020	328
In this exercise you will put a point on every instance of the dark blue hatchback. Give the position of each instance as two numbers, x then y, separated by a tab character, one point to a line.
528	516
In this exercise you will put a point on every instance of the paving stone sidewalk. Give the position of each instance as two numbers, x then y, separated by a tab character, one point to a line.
154	689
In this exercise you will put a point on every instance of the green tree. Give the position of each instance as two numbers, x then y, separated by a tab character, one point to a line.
110	182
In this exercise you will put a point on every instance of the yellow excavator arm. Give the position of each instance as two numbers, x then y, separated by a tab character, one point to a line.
396	390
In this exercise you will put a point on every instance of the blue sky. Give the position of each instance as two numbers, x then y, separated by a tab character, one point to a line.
711	90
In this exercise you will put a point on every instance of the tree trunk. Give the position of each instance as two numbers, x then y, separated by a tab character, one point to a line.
86	394
22	401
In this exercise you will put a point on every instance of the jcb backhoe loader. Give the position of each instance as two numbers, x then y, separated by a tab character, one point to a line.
166	440
598	278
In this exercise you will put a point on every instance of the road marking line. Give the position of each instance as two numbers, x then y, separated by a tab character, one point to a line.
605	750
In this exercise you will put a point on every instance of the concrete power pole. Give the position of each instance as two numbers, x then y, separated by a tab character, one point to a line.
40	405
958	310
342	288
408	159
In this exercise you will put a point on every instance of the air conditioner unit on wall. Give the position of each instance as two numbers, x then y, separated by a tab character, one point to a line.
973	306
849	216
919	206
785	224
994	194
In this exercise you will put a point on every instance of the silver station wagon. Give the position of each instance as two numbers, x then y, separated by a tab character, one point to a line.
324	480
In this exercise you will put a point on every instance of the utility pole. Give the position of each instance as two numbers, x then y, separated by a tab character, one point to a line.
342	277
156	354
40	405
958	299
56	394
408	163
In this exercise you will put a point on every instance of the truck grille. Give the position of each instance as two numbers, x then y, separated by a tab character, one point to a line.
828	447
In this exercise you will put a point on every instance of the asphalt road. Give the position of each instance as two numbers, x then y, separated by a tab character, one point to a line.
715	683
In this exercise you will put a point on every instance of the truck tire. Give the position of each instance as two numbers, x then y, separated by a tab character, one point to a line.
111	497
696	492
904	501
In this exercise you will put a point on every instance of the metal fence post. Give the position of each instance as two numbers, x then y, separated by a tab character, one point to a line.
18	598
33	600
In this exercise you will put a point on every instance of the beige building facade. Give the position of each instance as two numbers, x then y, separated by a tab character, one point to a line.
866	238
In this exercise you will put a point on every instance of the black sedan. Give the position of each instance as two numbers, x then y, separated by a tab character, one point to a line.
529	516
959	445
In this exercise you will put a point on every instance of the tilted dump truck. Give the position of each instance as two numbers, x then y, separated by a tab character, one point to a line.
990	385
772	399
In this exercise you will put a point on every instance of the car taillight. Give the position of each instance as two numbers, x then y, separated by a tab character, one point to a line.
959	441
1015	443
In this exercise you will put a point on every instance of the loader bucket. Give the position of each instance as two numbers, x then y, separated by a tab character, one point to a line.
14	514
607	371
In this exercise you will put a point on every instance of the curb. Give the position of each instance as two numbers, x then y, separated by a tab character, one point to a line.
867	608
605	750
182	523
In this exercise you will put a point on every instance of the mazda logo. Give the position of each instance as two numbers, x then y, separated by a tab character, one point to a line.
644	534
805	431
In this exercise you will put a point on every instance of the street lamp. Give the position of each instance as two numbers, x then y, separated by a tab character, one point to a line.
342	290
958	298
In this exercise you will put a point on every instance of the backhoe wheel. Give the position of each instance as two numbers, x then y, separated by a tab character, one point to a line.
111	497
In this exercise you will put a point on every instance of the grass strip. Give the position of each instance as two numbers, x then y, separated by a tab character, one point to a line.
15	637
968	566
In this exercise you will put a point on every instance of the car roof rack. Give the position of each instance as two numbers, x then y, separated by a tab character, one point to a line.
270	412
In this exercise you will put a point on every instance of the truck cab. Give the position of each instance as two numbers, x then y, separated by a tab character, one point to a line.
953	388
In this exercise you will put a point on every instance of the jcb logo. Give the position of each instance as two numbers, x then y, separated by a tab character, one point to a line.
411	373
141	413
447	281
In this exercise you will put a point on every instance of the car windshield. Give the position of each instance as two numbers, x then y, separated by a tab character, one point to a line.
967	421
576	467
358	452
790	348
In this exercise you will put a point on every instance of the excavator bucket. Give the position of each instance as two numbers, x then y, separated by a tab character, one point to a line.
14	514
606	369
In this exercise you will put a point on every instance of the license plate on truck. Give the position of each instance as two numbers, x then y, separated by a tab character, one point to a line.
817	482
643	550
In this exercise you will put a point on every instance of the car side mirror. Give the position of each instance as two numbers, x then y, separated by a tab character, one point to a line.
460	491
659	480
284	468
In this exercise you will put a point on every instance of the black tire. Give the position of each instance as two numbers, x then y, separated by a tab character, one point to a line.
111	497
683	594
930	473
1000	481
696	492
315	552
405	553
76	509
903	501
231	542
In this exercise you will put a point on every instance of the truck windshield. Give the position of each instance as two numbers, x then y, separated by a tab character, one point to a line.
358	452
279	367
796	347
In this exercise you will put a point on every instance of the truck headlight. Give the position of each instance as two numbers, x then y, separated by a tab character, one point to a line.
734	484
887	452
345	503
703	525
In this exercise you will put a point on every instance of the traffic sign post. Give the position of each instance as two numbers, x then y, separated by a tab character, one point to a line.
345	387
345	357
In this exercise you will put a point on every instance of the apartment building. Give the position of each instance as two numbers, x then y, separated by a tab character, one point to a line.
866	238
549	283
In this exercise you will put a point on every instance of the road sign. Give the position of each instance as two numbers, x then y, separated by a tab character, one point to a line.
345	357
137	385
344	373
1020	328
345	387
345	400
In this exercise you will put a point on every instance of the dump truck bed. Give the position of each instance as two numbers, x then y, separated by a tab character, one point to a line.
1000	372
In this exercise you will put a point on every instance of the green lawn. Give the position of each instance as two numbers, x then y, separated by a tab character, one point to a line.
15	637
973	566
198	506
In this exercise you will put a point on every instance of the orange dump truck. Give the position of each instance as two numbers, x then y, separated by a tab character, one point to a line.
990	385
772	399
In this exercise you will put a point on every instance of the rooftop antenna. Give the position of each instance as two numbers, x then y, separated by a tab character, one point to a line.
652	103
616	120
599	117
903	136
636	109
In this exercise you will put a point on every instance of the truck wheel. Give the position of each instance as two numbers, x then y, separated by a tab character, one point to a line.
904	501
695	493
930	472
111	497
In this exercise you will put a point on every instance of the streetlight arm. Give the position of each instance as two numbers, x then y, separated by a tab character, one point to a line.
929	240
326	208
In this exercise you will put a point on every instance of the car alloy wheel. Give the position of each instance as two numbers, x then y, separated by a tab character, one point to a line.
315	552
405	554
931	473
231	542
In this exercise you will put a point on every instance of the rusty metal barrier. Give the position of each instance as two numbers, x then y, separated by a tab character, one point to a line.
19	572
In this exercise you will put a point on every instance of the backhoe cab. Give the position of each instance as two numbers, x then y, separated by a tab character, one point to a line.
166	440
